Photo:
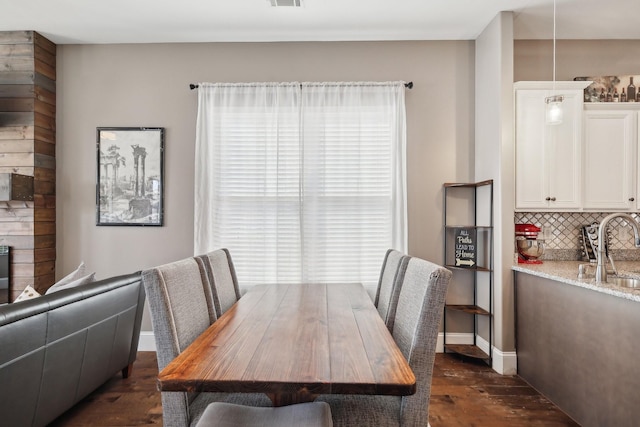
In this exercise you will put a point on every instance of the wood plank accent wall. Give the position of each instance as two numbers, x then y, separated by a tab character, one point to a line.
27	147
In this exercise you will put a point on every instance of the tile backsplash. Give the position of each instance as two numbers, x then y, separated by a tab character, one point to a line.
562	233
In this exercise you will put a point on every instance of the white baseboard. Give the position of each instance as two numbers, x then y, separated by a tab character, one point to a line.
147	341
504	362
453	338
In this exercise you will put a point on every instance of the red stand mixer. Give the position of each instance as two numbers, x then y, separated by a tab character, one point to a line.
529	246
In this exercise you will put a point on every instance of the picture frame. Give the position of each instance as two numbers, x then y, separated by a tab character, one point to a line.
130	176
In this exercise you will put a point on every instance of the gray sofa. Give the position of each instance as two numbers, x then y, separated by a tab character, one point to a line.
58	348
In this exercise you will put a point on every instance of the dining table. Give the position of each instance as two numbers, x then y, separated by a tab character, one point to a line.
294	342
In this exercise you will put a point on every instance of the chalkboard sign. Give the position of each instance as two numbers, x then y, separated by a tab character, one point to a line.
465	247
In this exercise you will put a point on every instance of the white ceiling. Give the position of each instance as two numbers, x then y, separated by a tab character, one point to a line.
164	21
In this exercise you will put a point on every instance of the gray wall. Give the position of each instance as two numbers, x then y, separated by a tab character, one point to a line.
533	59
494	151
147	85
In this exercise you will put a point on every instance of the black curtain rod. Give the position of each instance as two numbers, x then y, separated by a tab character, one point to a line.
409	85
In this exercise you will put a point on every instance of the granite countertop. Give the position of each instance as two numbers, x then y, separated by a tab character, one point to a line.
567	272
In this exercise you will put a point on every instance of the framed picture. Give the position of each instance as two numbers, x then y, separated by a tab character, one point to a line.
130	176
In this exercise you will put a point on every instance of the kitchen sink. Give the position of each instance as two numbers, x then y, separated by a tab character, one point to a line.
626	282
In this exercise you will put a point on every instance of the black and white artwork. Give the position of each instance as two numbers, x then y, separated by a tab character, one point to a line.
130	176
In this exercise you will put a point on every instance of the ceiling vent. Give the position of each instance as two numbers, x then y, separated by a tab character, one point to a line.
286	3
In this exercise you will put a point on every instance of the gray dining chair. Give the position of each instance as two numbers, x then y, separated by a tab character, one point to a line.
418	316
389	285
313	414
181	306
222	278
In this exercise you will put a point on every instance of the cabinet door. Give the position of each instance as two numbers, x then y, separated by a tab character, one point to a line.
548	169
531	169
563	154
609	160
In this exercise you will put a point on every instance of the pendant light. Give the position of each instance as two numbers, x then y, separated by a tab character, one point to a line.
553	109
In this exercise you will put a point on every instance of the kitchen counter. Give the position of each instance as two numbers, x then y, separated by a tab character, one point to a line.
574	337
567	272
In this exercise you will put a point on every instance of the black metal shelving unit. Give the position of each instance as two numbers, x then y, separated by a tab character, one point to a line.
468	253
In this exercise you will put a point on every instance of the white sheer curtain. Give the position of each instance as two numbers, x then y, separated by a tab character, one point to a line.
301	182
247	169
353	136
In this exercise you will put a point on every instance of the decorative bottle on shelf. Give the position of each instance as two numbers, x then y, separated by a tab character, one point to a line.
637	95
616	97
609	96
631	91
603	96
623	96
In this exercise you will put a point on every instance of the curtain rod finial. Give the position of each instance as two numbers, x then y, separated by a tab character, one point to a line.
193	86
409	85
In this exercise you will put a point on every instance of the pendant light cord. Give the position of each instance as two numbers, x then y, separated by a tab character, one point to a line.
554	46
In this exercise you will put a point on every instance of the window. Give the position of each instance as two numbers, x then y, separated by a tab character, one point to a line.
301	182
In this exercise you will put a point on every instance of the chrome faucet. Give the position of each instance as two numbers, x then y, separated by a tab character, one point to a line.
601	269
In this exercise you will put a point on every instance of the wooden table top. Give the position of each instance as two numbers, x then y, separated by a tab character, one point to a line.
293	342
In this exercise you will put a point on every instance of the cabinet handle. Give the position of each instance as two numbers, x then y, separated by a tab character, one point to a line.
631	199
553	199
548	198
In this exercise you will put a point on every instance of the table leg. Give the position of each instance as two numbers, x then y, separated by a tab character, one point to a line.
283	399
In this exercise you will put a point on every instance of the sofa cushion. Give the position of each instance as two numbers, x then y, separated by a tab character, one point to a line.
27	293
81	281
74	275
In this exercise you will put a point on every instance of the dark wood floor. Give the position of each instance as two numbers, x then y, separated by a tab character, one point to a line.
464	393
469	393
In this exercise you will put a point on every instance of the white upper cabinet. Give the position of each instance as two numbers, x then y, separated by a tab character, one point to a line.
610	159
548	165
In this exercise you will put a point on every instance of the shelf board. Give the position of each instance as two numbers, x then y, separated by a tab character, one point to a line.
468	184
557	85
477	227
473	309
468	350
468	268
612	106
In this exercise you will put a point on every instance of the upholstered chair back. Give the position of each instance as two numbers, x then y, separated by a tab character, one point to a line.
417	320
389	286
222	279
181	308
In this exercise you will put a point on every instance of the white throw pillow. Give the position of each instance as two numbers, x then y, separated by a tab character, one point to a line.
28	293
74	275
81	281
